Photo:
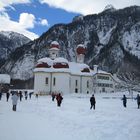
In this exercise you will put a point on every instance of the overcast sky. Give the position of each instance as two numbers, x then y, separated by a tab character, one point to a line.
33	17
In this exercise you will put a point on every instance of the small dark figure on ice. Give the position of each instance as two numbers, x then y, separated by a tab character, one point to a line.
92	102
138	100
53	96
30	95
124	100
26	95
0	95
20	95
7	96
14	101
59	99
36	96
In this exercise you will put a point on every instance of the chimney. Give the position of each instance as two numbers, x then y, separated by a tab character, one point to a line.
95	67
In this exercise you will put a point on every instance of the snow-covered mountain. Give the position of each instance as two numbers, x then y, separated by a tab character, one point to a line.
112	39
9	41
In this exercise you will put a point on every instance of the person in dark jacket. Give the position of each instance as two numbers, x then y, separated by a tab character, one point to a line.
124	100
7	96
30	95
138	100
53	96
20	95
92	102
26	95
0	95
59	99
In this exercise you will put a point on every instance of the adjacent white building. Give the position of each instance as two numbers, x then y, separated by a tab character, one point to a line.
103	82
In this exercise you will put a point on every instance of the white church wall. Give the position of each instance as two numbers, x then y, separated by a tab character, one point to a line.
75	84
40	85
61	82
86	85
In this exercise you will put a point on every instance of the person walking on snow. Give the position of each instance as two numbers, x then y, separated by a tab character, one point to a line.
0	95
124	100
20	95
7	96
14	101
53	96
92	102
59	99
138	100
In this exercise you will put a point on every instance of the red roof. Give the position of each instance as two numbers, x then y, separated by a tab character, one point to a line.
85	70
81	50
60	65
43	65
55	46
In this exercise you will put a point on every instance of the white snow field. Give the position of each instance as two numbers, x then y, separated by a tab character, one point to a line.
41	119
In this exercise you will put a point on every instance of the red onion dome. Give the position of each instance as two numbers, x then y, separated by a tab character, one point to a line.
55	44
59	65
85	70
43	65
81	49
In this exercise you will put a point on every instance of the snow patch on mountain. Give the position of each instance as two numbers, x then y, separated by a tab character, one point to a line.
105	36
131	40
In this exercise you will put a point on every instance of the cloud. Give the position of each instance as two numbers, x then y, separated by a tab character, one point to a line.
88	6
44	22
9	3
20	27
27	20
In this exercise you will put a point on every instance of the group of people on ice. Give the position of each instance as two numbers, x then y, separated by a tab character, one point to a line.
15	96
58	97
125	100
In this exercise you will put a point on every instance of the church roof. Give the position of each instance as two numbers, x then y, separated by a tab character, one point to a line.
62	65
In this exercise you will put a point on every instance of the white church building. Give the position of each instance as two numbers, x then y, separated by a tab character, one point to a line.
57	74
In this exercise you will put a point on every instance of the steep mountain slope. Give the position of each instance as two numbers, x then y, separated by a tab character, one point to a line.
9	41
112	39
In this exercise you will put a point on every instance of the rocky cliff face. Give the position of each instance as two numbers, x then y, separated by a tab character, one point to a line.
9	41
112	39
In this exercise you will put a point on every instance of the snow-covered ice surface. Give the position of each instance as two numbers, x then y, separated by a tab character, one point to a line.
41	119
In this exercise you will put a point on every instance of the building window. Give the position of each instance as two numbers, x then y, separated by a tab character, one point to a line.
87	84
76	83
54	80
103	77
47	80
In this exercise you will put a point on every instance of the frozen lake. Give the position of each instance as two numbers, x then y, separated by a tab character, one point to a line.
41	119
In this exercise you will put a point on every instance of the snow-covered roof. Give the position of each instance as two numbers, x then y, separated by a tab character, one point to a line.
54	46
72	68
76	69
100	72
4	79
54	43
61	64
